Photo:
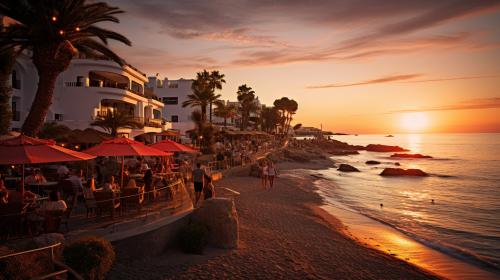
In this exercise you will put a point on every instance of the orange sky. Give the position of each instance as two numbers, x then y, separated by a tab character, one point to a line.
352	66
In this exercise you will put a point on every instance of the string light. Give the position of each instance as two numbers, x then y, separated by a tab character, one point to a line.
77	28
54	18
61	32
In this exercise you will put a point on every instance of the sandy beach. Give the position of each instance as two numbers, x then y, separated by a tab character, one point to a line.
283	234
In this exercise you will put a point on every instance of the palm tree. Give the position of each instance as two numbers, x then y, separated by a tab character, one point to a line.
112	121
203	94
7	60
291	108
246	97
269	118
216	80
203	132
56	31
226	111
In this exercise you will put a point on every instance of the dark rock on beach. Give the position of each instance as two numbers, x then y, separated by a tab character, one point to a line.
409	156
384	148
397	163
403	172
347	168
372	162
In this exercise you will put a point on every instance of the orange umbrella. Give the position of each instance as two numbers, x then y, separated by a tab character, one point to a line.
124	147
25	150
172	146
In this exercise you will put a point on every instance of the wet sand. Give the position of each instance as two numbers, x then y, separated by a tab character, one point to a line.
283	234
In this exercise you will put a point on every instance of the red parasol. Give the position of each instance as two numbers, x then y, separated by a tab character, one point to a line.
124	147
172	146
25	150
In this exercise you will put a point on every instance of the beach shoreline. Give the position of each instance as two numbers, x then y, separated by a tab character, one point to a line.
284	233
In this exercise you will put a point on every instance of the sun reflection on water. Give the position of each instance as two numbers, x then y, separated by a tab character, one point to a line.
414	142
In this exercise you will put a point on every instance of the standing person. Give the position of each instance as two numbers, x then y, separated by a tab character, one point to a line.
264	173
271	174
198	181
148	184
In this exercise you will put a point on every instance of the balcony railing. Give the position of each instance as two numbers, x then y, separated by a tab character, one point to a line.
73	84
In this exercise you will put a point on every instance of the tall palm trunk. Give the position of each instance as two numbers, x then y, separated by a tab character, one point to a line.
50	61
210	109
204	113
7	60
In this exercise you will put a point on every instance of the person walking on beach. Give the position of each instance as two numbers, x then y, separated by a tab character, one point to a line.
264	174
271	174
198	181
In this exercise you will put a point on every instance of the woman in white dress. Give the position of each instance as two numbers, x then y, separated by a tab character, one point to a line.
271	173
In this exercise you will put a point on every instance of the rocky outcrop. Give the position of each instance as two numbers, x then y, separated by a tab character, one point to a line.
403	172
343	152
397	164
347	168
220	215
409	156
372	162
384	148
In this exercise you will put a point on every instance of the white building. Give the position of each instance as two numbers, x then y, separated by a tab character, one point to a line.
89	88
173	93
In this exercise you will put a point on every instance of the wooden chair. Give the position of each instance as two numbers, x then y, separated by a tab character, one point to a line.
106	201
132	197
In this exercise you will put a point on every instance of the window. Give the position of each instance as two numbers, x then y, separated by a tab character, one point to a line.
173	85
58	117
175	118
16	83
170	100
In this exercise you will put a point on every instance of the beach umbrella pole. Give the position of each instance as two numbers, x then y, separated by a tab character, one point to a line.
123	168
22	183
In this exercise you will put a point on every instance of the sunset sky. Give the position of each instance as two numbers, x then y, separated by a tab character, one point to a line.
355	66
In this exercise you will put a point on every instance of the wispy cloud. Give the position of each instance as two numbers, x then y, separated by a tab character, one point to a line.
471	104
382	80
406	78
455	78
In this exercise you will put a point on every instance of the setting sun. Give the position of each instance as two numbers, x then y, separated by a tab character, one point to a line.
414	122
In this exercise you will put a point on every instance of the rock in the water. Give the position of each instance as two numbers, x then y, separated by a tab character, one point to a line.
372	162
384	148
397	164
220	215
343	152
403	172
347	168
409	156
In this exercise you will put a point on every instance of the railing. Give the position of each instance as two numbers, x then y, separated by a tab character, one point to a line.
73	84
64	268
153	122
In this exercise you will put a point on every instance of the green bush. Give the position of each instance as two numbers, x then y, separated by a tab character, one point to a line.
193	238
91	257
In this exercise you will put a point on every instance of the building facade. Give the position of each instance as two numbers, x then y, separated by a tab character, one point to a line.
87	89
173	93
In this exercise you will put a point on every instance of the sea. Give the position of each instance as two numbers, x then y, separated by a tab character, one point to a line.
455	210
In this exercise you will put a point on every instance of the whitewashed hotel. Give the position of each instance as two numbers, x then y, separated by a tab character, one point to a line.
173	93
87	89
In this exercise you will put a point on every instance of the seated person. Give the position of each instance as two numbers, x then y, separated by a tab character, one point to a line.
15	195
110	185
4	197
131	184
36	178
88	190
55	203
2	186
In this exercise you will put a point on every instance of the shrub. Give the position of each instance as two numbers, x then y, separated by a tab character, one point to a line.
91	257
193	238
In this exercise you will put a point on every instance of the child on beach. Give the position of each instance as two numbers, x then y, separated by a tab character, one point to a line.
272	172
